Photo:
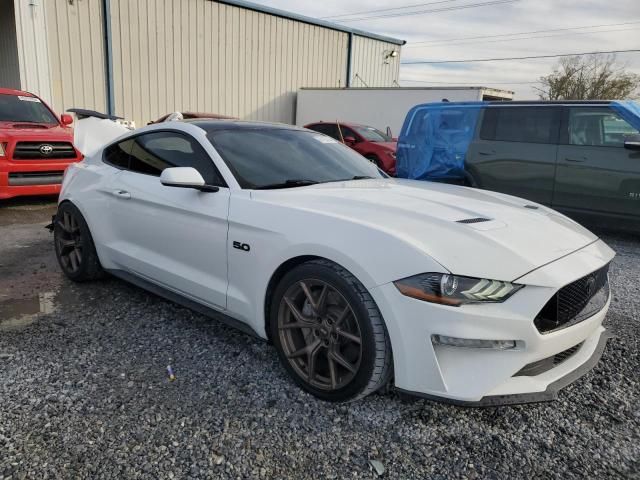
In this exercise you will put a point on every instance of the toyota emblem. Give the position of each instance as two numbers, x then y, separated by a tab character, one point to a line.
46	149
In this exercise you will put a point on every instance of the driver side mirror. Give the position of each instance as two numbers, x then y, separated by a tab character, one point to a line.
632	142
349	141
185	177
66	119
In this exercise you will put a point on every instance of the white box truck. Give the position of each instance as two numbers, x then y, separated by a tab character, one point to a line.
380	107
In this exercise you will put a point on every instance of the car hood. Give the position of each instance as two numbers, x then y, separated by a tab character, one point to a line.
44	131
514	237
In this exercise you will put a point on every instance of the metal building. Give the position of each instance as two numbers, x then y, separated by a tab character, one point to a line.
140	59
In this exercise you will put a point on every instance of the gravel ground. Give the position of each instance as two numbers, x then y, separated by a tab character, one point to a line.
84	394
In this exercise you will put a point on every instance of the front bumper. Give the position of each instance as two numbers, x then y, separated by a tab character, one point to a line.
22	178
474	376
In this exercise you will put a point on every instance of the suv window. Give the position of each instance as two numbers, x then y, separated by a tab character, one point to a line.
153	152
598	127
327	128
520	124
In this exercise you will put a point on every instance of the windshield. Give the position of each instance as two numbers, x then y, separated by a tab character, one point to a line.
280	158
372	134
16	108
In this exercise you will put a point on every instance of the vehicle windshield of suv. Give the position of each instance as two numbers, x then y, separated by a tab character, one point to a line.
16	108
265	158
372	134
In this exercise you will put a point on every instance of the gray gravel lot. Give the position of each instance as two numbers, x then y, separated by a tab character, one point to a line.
84	394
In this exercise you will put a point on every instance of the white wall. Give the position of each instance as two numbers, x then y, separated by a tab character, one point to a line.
377	107
33	54
9	65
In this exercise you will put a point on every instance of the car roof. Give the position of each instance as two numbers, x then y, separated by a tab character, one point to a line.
11	91
346	124
230	124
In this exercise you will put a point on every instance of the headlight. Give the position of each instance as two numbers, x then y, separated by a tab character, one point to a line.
3	149
455	290
391	154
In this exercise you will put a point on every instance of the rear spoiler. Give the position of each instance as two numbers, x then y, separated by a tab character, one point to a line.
83	113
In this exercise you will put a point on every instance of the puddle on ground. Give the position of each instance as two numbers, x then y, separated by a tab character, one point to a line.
21	312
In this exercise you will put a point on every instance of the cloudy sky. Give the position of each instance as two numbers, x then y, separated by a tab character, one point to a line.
443	35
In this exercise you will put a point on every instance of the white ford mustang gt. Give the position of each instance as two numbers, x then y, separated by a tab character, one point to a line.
359	280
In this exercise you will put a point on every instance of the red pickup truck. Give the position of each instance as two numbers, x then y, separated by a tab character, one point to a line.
35	145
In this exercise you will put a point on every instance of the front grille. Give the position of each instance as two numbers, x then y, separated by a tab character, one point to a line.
43	150
546	364
575	302
35	178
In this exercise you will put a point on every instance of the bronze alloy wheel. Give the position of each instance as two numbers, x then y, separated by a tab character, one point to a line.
69	241
319	334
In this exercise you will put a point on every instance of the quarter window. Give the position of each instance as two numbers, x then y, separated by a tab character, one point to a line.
151	153
117	154
597	127
520	124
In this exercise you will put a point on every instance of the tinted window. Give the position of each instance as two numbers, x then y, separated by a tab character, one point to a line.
327	128
521	124
372	134
267	156
118	154
598	127
14	108
153	152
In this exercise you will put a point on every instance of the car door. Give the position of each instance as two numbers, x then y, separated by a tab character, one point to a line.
596	175
514	151
174	237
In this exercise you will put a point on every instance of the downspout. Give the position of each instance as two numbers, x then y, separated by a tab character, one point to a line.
106	18
349	58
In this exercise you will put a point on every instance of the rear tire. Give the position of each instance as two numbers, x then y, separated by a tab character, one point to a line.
75	250
329	333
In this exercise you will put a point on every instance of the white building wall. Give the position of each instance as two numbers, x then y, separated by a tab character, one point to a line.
76	54
9	65
199	55
33	54
372	65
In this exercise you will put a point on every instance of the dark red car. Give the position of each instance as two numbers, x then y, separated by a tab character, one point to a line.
35	145
367	141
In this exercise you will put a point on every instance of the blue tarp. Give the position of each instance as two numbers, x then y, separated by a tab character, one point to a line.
434	140
629	111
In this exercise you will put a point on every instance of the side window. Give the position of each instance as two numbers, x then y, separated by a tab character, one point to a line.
597	127
520	124
153	152
327	128
117	154
347	132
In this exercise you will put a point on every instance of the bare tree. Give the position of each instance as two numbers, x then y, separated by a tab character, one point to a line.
589	77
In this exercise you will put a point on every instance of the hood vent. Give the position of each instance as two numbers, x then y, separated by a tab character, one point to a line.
28	125
474	220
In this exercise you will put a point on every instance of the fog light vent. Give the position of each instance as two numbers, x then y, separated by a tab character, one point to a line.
473	343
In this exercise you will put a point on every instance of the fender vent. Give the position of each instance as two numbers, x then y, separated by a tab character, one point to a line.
474	220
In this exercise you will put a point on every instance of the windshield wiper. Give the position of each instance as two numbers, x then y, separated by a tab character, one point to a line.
287	184
362	177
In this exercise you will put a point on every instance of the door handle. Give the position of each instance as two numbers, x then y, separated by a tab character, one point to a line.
122	194
576	160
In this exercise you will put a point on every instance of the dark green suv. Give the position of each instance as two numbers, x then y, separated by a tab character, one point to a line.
581	158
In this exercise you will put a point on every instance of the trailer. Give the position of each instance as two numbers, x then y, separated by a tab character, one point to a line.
384	107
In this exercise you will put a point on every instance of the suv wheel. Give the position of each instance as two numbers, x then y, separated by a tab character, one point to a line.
329	333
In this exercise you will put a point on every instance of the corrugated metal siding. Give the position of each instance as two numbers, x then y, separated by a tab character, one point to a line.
9	65
76	54
370	65
33	57
199	55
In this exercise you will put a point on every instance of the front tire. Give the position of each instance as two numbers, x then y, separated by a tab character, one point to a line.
75	250
329	333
